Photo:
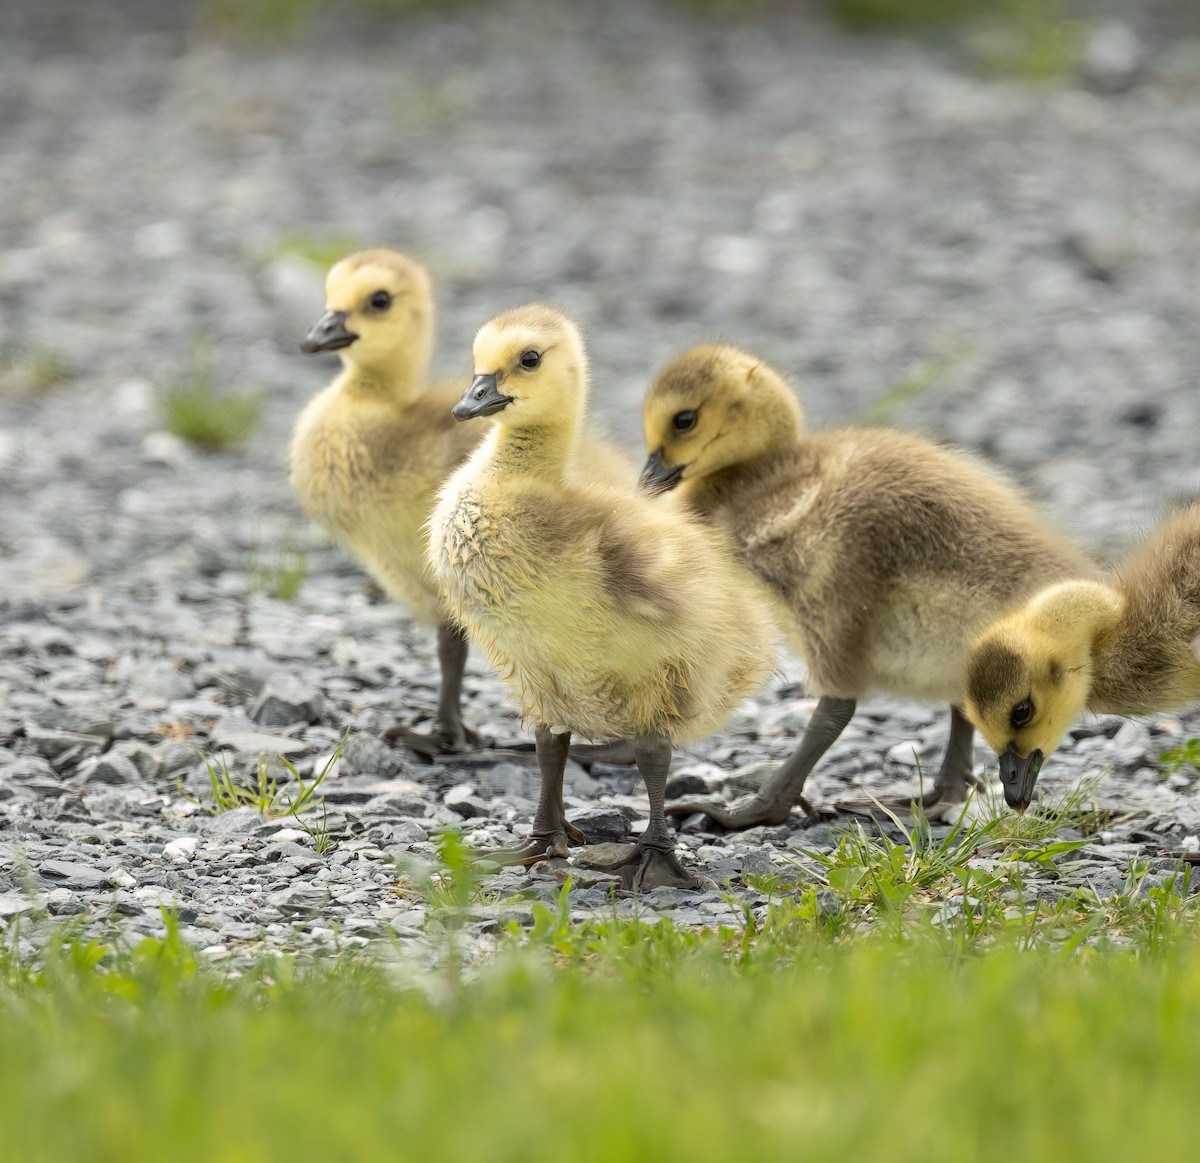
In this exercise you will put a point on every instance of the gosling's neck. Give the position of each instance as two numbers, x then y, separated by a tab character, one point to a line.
535	450
744	478
398	379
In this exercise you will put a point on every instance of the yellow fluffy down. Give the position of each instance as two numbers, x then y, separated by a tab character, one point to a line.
607	613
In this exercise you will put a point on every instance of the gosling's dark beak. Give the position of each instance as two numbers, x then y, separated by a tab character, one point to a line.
657	477
328	334
482	398
1019	775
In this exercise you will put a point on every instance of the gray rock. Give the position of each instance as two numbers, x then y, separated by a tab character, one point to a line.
463	801
757	862
752	776
596	856
366	754
299	899
686	784
235	822
113	768
285	700
72	875
1114	57
13	904
602	825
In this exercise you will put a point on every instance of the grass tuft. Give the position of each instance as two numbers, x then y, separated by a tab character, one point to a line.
1186	755
281	578
193	410
26	372
263	792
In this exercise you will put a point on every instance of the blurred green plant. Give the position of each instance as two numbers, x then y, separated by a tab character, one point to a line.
281	578
1187	754
193	410
922	378
319	251
1028	40
27	371
286	19
872	14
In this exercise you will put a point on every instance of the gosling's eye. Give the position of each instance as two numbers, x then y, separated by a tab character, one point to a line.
1022	713
530	359
684	421
380	301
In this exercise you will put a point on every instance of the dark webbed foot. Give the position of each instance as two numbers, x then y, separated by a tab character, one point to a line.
774	803
440	740
759	809
537	848
648	867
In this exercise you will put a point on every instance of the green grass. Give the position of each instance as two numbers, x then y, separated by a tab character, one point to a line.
1185	756
195	411
282	577
262	791
610	1041
851	1015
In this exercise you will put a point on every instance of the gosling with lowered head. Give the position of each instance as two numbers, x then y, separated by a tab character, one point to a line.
1129	645
886	553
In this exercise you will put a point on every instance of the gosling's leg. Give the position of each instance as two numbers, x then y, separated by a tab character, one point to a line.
652	863
551	832
448	735
949	785
774	803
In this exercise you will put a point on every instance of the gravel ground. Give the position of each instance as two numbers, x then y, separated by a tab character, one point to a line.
863	212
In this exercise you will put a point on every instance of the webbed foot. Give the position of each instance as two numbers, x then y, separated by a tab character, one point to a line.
440	740
536	849
647	867
759	809
936	803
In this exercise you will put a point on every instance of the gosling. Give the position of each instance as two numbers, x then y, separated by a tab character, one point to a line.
607	612
1129	645
886	553
369	453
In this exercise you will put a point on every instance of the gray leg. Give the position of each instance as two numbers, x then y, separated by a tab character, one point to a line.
956	774
774	803
452	659
551	832
448	734
652	863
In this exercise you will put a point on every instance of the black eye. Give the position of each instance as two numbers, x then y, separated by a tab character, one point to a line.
684	421
530	359
1022	713
380	301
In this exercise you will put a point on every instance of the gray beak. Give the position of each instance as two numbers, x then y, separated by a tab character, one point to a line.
482	398
656	476
328	334
1019	776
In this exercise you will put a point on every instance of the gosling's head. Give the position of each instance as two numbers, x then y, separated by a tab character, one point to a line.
530	369
1027	680
378	312
713	407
